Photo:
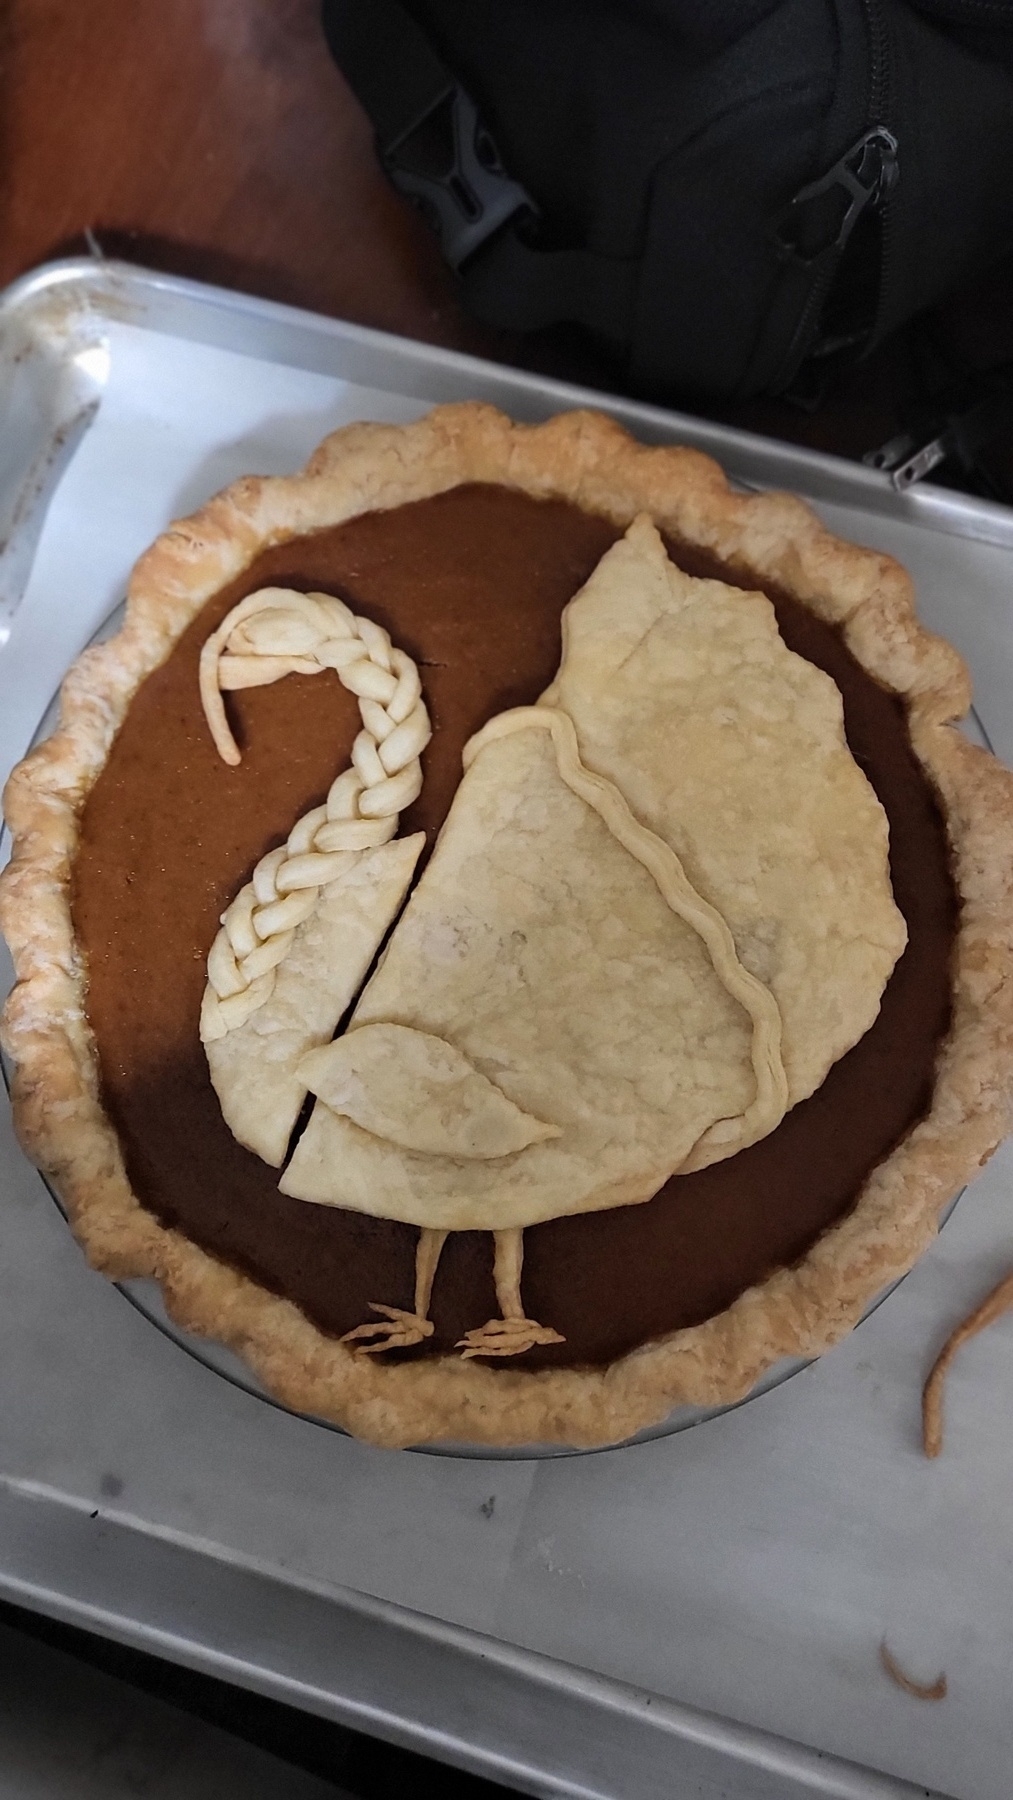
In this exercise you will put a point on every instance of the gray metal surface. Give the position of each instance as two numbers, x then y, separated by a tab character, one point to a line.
545	1728
585	1626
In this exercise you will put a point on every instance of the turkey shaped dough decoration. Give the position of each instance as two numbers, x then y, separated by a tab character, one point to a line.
658	911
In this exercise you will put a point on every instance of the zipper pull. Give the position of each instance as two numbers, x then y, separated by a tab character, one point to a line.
816	225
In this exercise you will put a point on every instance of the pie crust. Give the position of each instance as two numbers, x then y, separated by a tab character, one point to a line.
800	1311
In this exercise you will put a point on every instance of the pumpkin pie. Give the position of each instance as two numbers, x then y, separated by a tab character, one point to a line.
509	934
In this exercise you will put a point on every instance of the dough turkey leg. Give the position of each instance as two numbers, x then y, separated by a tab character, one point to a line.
512	1334
398	1329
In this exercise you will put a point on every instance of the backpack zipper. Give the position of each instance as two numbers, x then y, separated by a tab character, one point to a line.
867	172
881	96
880	83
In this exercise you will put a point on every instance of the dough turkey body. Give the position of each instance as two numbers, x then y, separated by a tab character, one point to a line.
659	909
538	947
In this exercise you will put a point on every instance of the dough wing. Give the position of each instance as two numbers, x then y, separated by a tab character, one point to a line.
416	1090
254	1068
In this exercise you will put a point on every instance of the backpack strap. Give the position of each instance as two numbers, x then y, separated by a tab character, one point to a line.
520	288
436	150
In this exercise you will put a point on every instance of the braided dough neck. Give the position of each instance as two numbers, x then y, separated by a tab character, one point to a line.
273	633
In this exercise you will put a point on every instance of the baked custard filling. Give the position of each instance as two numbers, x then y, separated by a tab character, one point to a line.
471	584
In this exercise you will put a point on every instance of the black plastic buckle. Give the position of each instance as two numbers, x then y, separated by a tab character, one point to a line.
957	429
865	175
447	164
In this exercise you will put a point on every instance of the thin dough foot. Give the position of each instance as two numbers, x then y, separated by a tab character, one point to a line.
398	1330
506	1337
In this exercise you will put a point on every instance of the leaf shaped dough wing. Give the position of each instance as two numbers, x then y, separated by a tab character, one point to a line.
418	1091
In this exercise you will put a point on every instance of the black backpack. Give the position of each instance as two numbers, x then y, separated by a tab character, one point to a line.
732	196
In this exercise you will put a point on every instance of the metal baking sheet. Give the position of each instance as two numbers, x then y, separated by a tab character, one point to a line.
698	1615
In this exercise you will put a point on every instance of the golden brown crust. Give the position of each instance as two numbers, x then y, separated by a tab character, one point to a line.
800	1311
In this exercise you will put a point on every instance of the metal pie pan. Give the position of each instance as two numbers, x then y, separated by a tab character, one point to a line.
146	1296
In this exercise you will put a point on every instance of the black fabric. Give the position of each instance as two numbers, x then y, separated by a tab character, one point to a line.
724	192
956	109
985	26
399	87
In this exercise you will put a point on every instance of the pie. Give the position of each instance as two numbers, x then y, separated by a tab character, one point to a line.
656	1067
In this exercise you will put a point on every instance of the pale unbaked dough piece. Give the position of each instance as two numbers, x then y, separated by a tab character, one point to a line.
538	948
543	952
732	749
418	1091
253	1068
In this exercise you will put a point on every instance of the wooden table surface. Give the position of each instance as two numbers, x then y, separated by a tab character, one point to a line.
216	138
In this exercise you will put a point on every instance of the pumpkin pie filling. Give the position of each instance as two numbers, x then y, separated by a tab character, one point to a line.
471	584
